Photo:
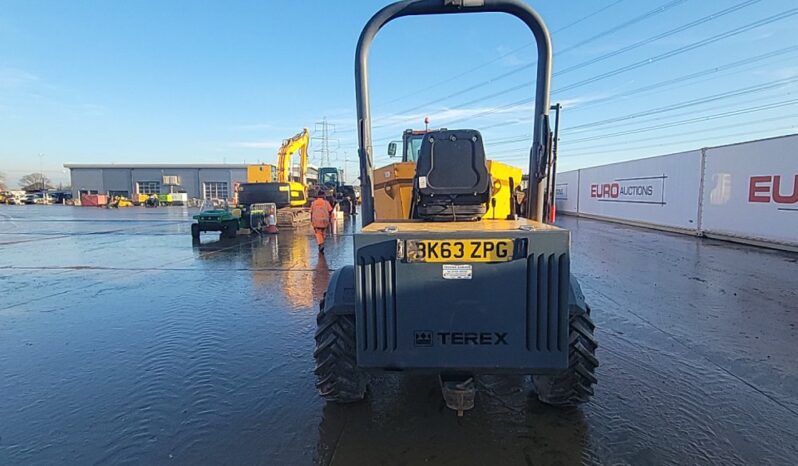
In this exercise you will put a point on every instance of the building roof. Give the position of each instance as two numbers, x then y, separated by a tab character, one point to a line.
156	166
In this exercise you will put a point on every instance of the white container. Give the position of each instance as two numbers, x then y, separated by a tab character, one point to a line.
659	191
751	191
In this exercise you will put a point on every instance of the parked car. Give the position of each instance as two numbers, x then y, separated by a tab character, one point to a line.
60	197
38	198
15	198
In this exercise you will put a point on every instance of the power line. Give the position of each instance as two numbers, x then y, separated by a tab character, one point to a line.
687	77
497	59
663	56
656	11
660	36
683	49
705	130
614	150
716	116
689	141
663	84
705	110
688	121
689	103
605	135
661	9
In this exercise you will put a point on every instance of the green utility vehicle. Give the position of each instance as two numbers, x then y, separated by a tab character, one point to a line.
230	220
331	180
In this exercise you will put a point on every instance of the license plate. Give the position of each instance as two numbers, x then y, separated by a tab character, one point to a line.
459	250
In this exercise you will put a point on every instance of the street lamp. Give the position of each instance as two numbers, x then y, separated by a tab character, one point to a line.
41	173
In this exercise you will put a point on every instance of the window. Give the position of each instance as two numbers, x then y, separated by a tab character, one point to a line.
215	190
414	147
329	177
149	187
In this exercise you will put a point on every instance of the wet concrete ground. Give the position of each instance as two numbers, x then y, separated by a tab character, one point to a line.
122	343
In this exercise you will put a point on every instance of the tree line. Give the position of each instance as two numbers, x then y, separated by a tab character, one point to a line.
29	182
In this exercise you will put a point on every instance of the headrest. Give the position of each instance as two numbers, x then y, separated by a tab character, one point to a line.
452	162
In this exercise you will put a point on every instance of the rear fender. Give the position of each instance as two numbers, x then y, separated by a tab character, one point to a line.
340	297
575	295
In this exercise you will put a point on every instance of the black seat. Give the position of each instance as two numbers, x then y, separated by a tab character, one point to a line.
452	180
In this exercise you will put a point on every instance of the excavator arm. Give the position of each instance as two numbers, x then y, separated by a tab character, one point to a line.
300	143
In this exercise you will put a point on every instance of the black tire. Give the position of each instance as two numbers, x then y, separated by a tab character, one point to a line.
257	226
195	231
338	378
574	385
230	230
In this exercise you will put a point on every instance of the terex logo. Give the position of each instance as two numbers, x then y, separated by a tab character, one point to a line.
472	338
768	189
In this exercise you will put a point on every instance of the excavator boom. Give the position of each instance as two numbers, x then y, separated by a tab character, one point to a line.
300	143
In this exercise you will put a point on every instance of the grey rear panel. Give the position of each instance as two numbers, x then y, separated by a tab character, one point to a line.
509	316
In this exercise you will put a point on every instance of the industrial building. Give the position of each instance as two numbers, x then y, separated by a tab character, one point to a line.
201	181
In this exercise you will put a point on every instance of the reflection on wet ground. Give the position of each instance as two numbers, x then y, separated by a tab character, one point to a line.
120	342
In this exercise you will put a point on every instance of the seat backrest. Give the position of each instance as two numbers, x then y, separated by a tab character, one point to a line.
452	163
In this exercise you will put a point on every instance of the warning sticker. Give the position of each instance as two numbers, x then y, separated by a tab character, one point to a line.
422	182
457	271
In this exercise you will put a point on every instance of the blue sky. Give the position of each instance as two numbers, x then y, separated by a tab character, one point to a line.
208	82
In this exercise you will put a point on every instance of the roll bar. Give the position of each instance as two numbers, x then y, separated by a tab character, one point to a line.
396	10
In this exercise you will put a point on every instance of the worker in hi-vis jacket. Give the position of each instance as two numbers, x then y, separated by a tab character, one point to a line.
320	214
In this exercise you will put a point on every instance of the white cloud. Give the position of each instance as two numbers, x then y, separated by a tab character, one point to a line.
253	127
575	102
444	114
508	57
257	144
14	77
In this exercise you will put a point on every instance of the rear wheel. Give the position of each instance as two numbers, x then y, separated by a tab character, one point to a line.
195	231
338	378
574	385
257	224
230	230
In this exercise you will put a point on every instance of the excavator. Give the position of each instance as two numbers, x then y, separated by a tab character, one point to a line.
290	195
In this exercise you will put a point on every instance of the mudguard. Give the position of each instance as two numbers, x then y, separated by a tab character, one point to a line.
575	295
340	297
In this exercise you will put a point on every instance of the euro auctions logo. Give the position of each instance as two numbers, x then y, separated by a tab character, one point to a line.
642	190
775	189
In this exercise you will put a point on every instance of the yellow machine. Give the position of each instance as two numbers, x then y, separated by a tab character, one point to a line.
120	201
393	184
261	173
289	194
298	188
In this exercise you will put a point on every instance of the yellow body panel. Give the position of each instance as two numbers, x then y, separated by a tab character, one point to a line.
420	226
504	174
261	173
393	190
298	194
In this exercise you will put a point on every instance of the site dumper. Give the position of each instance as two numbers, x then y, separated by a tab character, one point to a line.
448	289
230	221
